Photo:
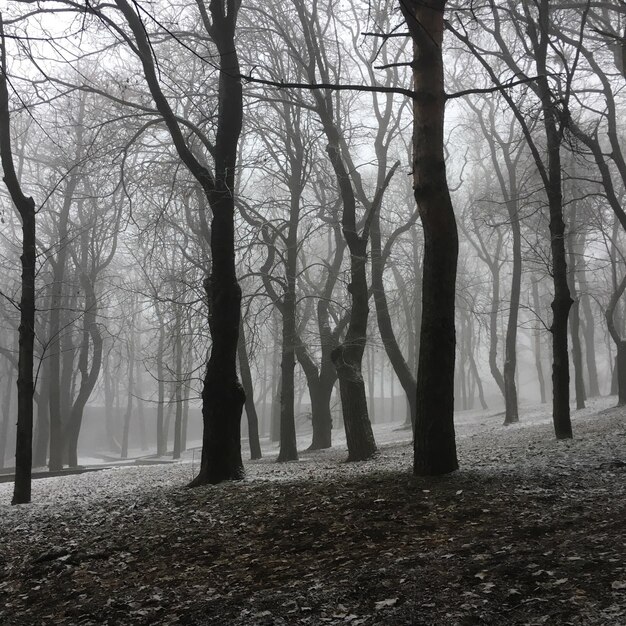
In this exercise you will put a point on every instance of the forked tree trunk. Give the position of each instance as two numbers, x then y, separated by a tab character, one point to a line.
385	326
348	357
222	395
246	380
435	445
89	375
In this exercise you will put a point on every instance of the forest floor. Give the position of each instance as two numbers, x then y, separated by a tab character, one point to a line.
530	531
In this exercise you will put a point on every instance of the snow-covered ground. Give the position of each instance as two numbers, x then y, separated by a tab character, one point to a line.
529	531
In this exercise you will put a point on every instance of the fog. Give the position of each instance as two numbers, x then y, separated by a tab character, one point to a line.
167	204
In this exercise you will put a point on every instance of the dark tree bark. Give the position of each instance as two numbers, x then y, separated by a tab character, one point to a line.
537	341
222	395
562	301
246	380
89	374
435	445
25	385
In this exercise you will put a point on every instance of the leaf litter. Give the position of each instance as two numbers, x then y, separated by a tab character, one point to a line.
530	531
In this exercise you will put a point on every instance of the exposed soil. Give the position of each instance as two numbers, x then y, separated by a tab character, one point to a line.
530	531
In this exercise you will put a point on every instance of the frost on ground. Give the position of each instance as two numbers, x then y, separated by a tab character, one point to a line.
530	531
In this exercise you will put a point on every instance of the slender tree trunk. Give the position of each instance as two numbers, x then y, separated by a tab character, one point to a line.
42	430
161	436
25	384
434	441
511	411
6	418
537	341
178	389
620	344
246	380
493	326
385	326
89	375
131	385
589	335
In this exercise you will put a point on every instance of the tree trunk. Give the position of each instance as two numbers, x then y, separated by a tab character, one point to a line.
42	430
246	380
434	441
178	389
89	375
6	417
131	384
348	357
574	320
562	302
537	341
589	335
385	326
620	344
511	411
222	394
25	385
161	436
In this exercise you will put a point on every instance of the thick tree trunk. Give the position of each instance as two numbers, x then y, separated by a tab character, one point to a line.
320	383
288	447
222	395
348	357
246	381
435	445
